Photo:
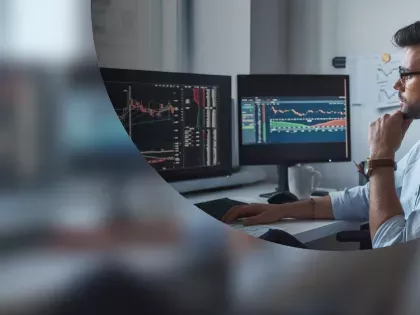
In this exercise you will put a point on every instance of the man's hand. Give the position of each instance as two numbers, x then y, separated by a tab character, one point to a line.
254	214
386	135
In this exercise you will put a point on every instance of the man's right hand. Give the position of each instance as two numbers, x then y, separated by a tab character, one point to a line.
254	214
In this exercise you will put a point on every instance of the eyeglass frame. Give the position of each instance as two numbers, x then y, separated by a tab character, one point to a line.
404	73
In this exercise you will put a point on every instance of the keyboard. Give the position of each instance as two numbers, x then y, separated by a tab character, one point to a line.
219	207
256	230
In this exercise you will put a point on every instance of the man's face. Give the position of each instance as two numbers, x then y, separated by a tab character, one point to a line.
409	87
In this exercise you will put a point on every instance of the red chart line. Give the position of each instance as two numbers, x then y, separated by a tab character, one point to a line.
196	93
157	161
195	96
139	107
333	123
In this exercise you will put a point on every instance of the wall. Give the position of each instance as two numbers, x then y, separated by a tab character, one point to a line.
220	37
269	49
120	43
327	28
136	34
269	36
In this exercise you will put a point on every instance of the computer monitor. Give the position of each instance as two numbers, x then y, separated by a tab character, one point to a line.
180	122
291	119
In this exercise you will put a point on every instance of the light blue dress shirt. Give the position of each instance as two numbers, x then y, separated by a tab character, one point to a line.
353	204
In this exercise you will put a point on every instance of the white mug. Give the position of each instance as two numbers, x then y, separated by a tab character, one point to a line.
303	181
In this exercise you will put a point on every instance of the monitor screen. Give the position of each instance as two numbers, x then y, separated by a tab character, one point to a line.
293	119
181	123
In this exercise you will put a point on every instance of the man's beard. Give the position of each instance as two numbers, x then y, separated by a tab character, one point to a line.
410	110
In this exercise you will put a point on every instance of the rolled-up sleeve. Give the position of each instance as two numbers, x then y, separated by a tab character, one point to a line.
351	204
397	230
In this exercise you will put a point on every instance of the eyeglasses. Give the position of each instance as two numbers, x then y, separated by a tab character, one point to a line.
404	74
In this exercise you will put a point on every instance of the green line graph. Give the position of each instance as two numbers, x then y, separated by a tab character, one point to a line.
285	124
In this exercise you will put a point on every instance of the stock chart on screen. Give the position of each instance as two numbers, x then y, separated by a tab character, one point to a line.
173	125
276	120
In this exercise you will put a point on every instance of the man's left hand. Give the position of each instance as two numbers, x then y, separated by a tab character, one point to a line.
386	135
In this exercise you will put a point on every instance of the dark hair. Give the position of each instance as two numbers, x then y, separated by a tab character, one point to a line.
408	36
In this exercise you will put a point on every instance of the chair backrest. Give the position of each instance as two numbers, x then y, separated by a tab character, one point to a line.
361	236
363	180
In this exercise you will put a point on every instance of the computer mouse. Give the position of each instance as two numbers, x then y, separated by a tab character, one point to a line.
282	197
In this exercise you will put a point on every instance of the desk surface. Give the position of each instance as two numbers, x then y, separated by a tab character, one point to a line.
305	231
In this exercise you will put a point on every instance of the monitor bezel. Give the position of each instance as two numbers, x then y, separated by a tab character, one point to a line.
225	83
272	159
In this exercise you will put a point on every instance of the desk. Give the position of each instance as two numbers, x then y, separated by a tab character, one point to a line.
304	231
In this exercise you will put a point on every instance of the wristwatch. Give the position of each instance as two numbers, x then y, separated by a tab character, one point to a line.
372	164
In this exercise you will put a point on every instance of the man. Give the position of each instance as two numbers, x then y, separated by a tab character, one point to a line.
391	199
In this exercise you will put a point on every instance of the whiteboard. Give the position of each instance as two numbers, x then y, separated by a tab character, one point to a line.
377	74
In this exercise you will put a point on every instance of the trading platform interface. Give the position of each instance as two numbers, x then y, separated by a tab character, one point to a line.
173	125
299	120
293	119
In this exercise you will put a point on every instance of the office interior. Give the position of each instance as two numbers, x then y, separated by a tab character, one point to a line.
235	37
206	266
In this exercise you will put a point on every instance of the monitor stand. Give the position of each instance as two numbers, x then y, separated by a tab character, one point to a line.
282	180
283	183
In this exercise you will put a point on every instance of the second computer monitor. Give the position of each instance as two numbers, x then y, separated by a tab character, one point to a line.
180	122
288	119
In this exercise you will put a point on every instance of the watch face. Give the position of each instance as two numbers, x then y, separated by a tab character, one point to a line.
366	167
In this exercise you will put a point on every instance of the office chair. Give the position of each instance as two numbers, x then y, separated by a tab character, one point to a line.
361	236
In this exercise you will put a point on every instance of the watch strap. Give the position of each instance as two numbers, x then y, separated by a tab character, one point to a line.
378	163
